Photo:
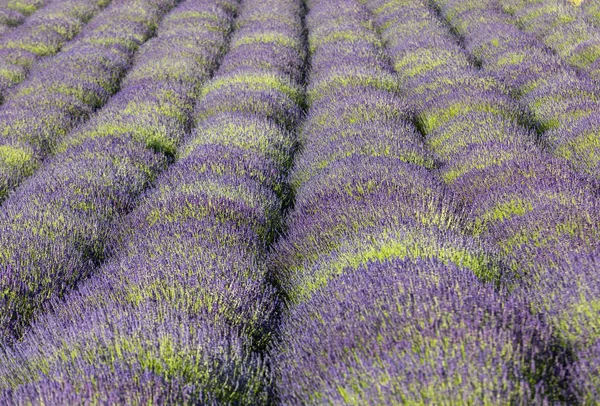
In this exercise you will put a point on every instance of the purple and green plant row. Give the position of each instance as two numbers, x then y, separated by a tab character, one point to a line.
370	206
57	224
529	205
562	103
13	13
42	35
70	86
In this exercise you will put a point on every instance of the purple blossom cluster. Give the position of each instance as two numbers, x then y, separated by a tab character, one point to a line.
183	311
56	225
403	332
374	262
41	35
539	214
70	86
14	13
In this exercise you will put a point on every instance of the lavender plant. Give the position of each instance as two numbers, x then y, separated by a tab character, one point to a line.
406	332
562	103
367	206
62	216
562	28
43	34
15	13
590	10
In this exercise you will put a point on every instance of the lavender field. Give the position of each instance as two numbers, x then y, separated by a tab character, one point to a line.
299	202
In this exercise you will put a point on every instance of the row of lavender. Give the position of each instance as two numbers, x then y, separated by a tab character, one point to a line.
71	85
183	311
389	301
107	163
540	215
537	66
43	34
565	283
562	27
15	12
561	104
54	227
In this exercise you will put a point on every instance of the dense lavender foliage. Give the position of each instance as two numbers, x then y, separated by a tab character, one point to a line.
376	235
404	332
184	310
13	13
562	104
55	227
68	87
523	201
299	202
590	10
42	35
564	265
562	28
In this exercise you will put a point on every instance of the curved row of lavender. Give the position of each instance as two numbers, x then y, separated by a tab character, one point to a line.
561	27
184	309
69	86
564	106
386	299
13	13
53	229
43	34
542	218
570	294
105	166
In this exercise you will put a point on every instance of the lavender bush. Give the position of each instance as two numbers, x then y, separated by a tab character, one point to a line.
561	102
62	216
368	206
526	203
43	34
561	27
14	13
